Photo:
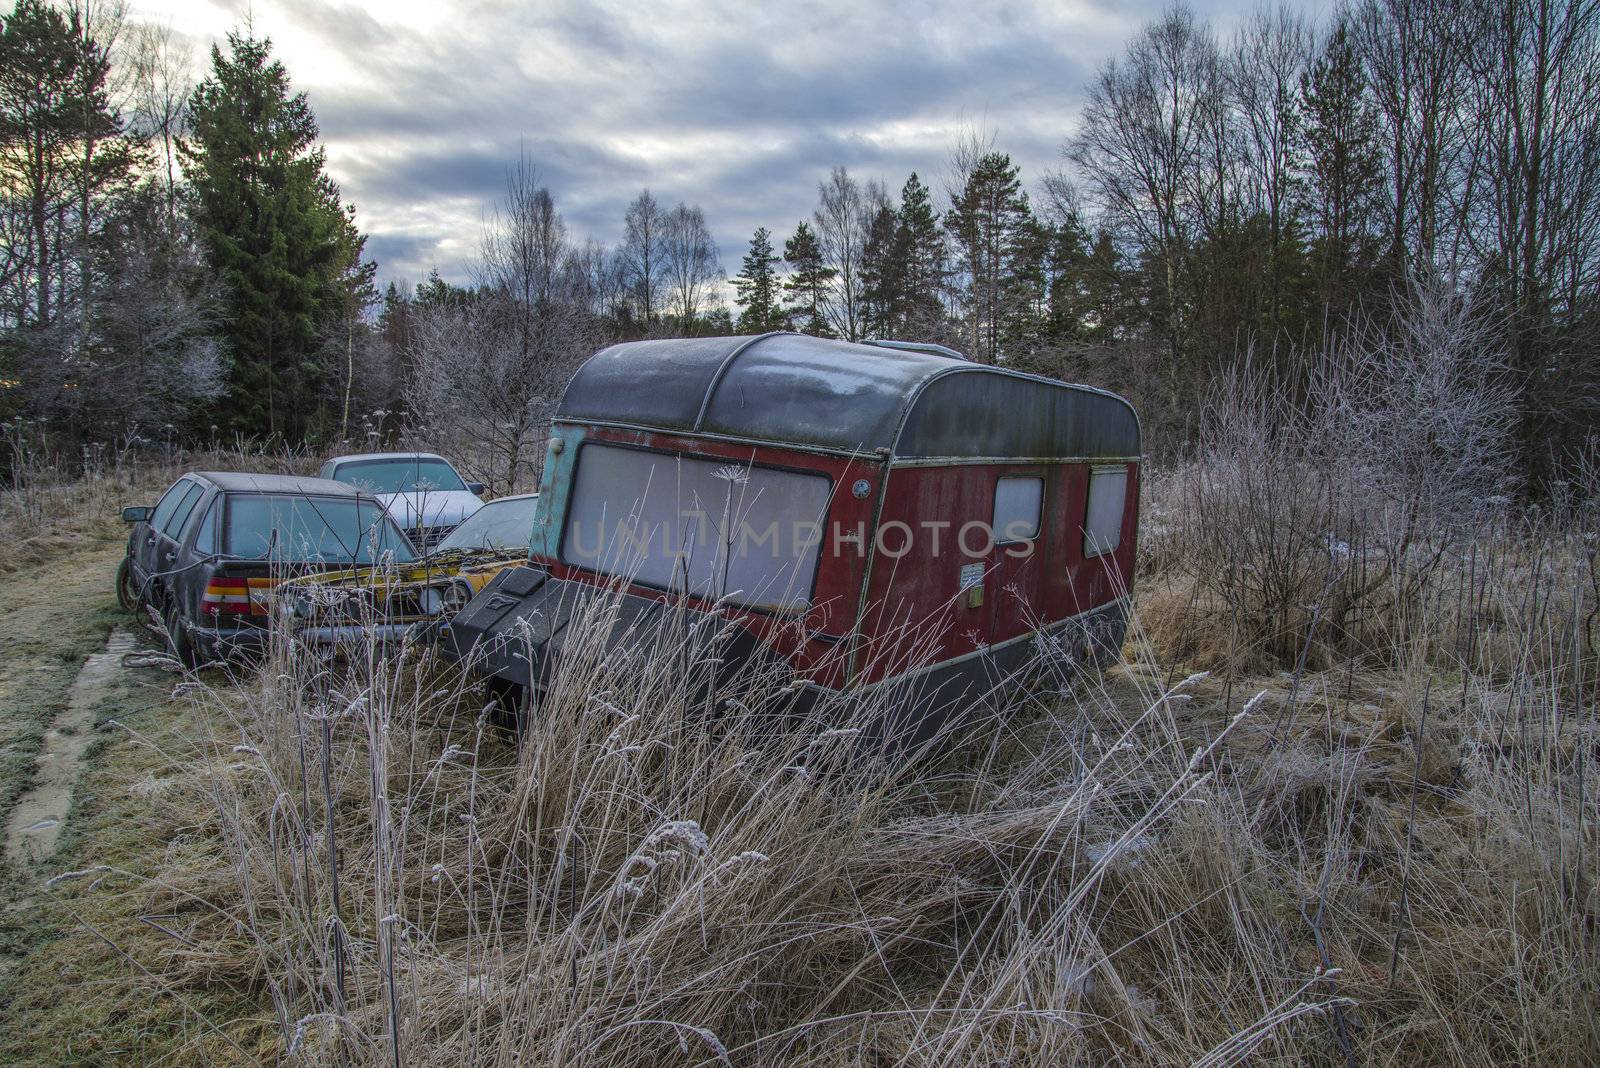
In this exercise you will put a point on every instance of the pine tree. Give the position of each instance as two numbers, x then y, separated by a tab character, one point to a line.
1344	170
921	248
59	151
807	284
883	270
1068	309
989	223
757	288
287	253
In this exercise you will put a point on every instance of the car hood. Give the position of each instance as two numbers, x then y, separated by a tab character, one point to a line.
434	508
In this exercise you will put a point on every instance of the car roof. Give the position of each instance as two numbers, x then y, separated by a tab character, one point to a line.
511	497
386	456
255	482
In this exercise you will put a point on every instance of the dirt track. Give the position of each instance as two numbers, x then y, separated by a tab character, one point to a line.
51	619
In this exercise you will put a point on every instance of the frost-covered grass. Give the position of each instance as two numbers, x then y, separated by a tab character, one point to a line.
53	505
1387	859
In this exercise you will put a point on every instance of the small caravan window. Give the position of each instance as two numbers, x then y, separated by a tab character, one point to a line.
1016	508
1102	520
708	527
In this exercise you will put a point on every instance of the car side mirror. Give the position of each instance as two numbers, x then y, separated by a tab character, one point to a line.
136	513
477	489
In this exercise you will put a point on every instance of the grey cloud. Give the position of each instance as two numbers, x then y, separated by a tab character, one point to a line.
740	108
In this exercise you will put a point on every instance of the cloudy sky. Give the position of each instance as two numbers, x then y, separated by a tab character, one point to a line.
738	107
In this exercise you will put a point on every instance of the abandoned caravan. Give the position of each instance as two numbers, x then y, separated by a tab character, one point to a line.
868	514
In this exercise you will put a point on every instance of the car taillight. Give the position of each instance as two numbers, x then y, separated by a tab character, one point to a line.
236	596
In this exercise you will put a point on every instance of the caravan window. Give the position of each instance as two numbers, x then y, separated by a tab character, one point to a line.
707	527
1016	508
1102	521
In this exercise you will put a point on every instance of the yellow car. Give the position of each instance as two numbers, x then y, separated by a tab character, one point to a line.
412	599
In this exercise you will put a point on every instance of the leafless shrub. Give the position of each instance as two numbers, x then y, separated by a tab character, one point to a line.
490	366
1311	512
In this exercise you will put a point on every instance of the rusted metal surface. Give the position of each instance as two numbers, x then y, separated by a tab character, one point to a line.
909	439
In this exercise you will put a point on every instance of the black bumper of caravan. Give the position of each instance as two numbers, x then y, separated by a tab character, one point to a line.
518	625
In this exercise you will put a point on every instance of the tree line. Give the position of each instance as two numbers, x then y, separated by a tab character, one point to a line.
1226	200
174	259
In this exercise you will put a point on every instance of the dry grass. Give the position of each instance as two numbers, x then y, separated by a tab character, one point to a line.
1346	865
1376	849
50	507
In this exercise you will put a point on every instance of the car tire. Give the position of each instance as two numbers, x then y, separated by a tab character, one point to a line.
127	592
178	638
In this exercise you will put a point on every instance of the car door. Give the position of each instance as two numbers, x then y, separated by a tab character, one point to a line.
168	528
195	539
143	547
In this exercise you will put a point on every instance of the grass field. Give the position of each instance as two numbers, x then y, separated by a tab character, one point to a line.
1374	854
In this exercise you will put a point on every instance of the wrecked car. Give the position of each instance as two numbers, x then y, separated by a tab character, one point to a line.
206	558
872	514
412	598
422	490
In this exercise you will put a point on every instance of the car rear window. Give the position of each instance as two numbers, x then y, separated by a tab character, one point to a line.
293	529
401	475
205	542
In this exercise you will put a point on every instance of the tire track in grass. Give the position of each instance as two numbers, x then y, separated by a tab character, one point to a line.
37	817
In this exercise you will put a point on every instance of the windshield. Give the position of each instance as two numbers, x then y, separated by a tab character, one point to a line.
401	474
506	524
296	529
711	528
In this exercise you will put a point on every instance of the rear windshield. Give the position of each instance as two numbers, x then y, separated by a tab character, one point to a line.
707	527
406	474
297	529
497	525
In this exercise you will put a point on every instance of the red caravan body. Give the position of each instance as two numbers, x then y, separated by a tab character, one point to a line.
910	575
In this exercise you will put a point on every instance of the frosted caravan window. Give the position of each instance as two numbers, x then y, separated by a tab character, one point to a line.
706	527
1102	521
1016	508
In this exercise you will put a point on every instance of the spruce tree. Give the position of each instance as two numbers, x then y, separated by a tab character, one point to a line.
757	288
990	224
883	275
285	250
920	248
807	284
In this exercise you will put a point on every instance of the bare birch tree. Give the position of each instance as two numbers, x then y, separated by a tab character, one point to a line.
644	254
491	365
842	217
690	263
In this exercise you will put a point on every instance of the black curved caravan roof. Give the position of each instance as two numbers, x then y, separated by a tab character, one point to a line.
793	389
